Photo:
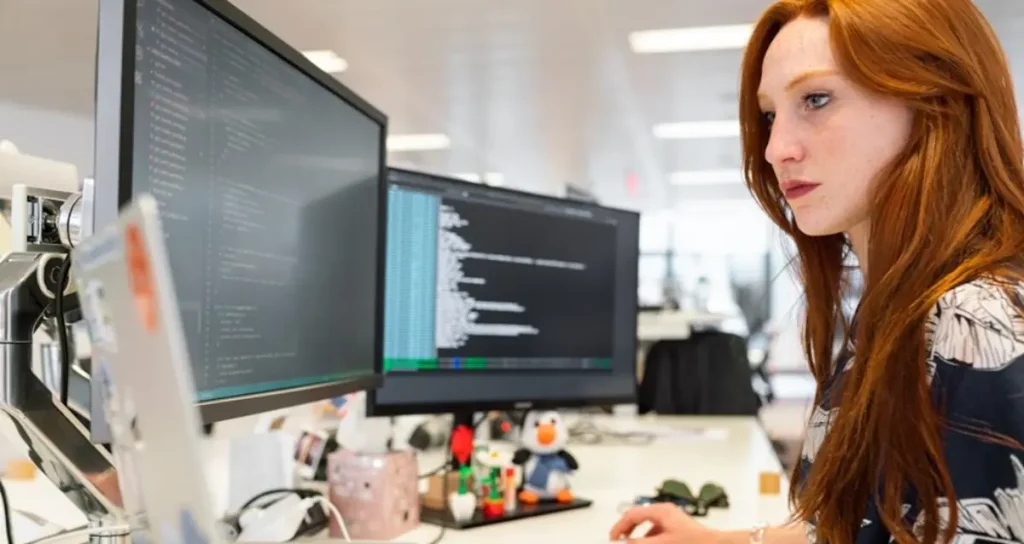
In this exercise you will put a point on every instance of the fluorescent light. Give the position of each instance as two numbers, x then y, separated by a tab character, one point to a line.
417	142
704	38
707	177
470	177
328	61
496	179
697	129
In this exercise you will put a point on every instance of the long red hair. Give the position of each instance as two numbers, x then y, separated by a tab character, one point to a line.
949	209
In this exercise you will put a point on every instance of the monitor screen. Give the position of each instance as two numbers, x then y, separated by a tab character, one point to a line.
269	178
497	298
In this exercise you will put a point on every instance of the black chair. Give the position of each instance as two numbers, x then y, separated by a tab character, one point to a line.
706	374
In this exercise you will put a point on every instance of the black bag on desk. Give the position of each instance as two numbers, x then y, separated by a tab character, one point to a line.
706	374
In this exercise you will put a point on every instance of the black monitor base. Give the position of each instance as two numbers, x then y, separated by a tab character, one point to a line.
444	517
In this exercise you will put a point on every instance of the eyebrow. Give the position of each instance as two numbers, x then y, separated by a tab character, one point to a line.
810	74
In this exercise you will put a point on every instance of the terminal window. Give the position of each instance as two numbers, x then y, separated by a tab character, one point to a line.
474	283
237	146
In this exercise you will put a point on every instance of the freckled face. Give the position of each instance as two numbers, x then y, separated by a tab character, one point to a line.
829	138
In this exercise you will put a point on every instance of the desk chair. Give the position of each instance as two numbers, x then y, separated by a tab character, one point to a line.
706	374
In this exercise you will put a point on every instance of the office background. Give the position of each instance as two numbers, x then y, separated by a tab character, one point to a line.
530	94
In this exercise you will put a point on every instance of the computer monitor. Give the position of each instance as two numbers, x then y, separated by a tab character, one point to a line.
497	299
269	177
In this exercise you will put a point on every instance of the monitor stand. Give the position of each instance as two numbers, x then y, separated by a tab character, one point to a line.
443	516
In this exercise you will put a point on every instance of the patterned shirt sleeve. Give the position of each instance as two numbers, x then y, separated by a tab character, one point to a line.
977	371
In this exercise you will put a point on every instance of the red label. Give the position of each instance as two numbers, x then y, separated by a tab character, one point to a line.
140	277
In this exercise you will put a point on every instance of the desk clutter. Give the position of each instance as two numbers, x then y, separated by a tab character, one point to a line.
480	484
376	494
711	495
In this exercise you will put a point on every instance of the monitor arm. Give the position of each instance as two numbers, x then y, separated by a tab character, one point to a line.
45	225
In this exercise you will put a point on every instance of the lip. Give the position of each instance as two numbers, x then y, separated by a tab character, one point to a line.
796	188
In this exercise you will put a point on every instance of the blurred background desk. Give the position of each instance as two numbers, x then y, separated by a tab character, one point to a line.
655	326
673	324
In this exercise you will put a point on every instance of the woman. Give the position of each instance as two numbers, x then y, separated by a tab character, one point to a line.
889	128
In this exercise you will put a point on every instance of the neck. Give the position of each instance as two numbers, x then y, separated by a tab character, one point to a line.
858	236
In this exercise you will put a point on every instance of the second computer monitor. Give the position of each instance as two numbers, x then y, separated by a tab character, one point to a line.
269	178
501	299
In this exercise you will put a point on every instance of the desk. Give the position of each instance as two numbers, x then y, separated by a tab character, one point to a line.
652	327
609	475
612	474
673	325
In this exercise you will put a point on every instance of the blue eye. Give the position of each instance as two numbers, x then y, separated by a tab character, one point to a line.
817	101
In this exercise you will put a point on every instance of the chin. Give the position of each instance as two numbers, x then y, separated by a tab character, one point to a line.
813	225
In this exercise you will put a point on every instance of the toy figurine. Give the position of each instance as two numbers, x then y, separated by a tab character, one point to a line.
494	504
546	465
462	503
485	459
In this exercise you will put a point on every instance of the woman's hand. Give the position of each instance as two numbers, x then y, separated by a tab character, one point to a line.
669	525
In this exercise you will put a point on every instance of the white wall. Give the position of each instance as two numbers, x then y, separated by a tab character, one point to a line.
733	226
50	134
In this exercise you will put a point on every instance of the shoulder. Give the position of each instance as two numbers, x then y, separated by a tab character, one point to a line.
979	324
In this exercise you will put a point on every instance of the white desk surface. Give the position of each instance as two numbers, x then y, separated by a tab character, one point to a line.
610	474
672	325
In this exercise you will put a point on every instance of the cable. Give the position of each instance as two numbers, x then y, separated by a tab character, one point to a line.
302	493
7	513
587	431
62	329
337	515
447	446
434	472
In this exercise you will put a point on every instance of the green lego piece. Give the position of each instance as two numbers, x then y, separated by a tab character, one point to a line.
464	473
495	483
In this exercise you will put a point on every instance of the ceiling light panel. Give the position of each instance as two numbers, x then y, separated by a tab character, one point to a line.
496	179
328	61
418	142
697	130
707	177
679	40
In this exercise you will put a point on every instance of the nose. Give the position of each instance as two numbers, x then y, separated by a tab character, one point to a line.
784	146
545	434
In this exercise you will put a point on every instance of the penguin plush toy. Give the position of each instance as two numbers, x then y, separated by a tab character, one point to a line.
546	466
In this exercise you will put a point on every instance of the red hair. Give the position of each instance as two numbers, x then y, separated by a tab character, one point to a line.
949	209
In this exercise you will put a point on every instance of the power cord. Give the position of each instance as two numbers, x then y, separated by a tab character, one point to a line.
588	431
7	513
337	515
302	493
62	329
307	498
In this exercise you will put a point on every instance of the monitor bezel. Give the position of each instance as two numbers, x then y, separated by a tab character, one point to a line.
376	409
114	134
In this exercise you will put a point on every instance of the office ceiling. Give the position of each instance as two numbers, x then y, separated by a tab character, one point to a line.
543	92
